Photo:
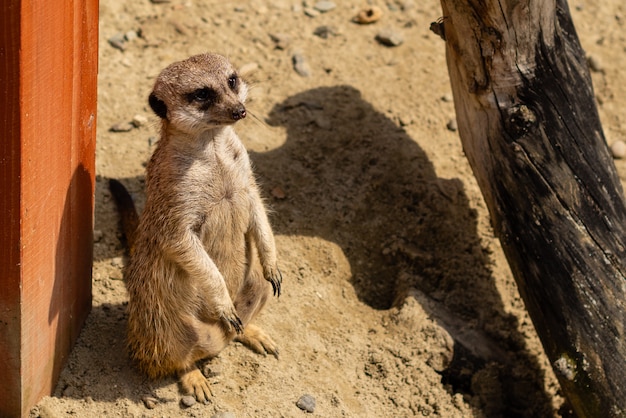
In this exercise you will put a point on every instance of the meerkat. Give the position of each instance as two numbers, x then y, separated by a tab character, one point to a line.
202	251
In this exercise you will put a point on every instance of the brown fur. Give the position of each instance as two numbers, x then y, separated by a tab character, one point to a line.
203	251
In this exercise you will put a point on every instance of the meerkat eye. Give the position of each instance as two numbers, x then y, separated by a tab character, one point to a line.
233	81
204	94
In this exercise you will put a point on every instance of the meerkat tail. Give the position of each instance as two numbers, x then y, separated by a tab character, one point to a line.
127	210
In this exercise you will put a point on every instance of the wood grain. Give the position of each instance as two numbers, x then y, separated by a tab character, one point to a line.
48	166
530	129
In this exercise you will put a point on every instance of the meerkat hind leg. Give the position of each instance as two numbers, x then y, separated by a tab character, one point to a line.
257	340
194	383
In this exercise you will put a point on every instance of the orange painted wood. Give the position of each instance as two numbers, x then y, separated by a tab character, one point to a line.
48	74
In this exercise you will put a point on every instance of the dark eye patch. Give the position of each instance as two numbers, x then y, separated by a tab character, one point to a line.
202	95
233	82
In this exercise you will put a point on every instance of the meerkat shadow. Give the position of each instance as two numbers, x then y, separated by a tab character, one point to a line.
352	176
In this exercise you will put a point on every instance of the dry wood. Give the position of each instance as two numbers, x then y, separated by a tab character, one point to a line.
530	129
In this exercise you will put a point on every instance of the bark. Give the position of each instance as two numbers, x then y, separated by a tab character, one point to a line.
529	126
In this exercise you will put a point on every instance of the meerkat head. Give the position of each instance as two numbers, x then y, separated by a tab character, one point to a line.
200	93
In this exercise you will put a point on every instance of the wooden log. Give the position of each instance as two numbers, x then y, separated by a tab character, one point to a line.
48	79
529	126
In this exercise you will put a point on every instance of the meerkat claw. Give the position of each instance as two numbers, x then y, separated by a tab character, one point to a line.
238	325
234	323
276	281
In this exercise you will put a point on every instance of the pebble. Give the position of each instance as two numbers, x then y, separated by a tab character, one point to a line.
452	125
311	12
323	122
46	412
211	370
390	37
187	401
300	65
118	41
131	35
224	415
281	40
139	120
97	235
278	193
368	15
324	6
306	403
150	402
618	149
325	32
447	98
122	127
117	262
595	64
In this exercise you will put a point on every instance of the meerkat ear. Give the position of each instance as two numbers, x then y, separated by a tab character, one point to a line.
158	106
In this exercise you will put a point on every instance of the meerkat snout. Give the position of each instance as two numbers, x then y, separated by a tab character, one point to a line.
239	113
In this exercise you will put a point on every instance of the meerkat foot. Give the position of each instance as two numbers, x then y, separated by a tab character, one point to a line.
275	277
258	341
194	383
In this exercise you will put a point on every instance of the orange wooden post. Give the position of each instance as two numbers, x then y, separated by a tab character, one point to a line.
48	73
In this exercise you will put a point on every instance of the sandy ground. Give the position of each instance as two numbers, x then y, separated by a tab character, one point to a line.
397	298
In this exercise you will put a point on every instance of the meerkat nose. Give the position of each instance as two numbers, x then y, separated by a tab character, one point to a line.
239	113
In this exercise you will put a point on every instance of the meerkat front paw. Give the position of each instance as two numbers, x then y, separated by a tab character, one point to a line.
231	320
275	277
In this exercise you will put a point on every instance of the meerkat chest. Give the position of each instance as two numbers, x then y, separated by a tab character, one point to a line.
226	180
230	174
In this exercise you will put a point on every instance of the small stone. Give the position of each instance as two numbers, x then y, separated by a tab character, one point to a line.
390	37
278	193
595	64
149	402
117	262
452	125
211	370
118	41
325	32
311	12
187	401
368	15
130	35
300	65
618	149
122	127
69	392
306	403
178	27
224	415
322	121
46	412
97	235
281	40
139	120
159	1
324	6
447	98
